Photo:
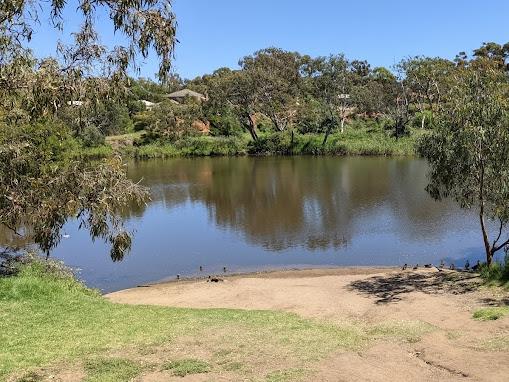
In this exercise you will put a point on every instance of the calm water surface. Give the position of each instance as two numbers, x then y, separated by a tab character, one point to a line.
265	213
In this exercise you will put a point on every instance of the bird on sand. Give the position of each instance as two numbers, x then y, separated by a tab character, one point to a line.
201	268
214	279
416	267
404	267
477	267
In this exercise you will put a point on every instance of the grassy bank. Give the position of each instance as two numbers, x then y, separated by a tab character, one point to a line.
50	324
359	141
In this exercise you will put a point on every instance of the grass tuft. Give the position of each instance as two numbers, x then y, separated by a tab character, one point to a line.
111	370
491	314
184	367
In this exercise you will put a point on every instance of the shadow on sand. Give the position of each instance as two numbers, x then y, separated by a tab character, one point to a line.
391	288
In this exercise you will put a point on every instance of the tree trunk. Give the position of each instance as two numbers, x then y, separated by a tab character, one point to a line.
487	247
327	132
252	127
423	119
292	142
342	125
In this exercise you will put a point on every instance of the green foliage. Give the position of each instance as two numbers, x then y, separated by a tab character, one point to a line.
425	116
111	370
169	122
271	144
92	137
189	366
43	185
113	118
467	150
207	146
226	125
496	273
491	314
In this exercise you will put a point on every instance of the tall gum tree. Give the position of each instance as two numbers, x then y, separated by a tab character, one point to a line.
468	151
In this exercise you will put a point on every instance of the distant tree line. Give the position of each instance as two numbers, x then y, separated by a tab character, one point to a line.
280	91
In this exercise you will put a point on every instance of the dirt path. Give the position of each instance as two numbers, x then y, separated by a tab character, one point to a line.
454	351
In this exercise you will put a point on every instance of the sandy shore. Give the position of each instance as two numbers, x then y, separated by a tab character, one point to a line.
455	350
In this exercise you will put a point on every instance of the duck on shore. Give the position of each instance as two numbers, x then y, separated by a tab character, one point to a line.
404	267
214	280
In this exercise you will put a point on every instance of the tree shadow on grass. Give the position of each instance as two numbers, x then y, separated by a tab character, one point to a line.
388	289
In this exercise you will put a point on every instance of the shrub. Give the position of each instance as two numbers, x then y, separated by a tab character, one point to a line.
271	144
92	137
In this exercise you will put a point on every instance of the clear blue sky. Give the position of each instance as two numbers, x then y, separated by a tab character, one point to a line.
216	33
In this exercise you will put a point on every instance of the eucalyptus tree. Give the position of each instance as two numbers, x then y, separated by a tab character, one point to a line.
497	53
468	150
275	75
331	82
42	183
218	110
427	82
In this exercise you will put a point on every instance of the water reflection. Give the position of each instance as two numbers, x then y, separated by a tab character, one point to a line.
258	213
317	203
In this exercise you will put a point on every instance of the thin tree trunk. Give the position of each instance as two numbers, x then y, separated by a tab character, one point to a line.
327	132
487	246
342	125
252	127
292	142
423	119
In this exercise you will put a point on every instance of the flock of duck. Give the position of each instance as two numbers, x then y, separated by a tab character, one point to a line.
210	279
442	266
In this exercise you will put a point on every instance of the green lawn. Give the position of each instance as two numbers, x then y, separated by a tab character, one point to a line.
58	324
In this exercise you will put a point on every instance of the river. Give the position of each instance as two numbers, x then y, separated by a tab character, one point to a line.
249	214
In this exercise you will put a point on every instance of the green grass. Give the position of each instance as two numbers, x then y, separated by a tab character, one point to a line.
496	275
184	367
490	314
111	370
49	320
355	140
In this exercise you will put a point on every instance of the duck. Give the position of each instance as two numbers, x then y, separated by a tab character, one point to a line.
178	277
452	267
224	269
201	268
428	265
467	265
404	267
416	267
214	280
442	264
477	267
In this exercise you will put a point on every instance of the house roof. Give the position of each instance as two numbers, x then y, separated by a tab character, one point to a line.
186	93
